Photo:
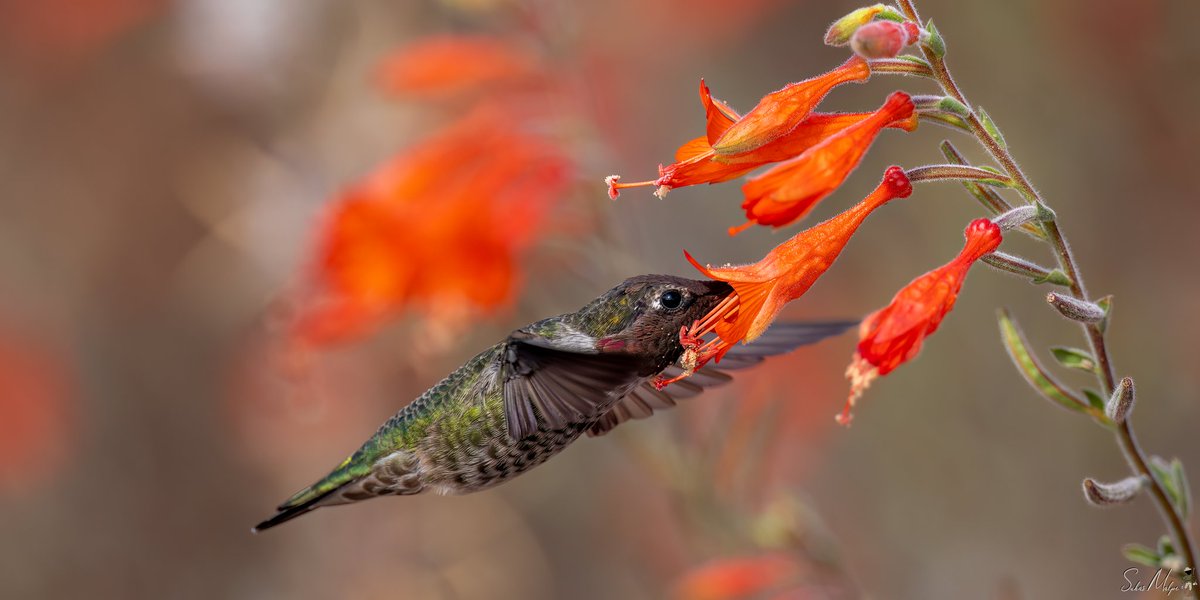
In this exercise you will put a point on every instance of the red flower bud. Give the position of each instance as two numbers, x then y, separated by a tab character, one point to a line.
883	39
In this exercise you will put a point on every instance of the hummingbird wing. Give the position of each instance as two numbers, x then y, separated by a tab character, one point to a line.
781	338
555	385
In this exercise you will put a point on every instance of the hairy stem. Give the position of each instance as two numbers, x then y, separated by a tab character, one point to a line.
1095	334
956	173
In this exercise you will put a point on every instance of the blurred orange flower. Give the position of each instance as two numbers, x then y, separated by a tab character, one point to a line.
440	228
893	335
35	417
781	111
761	289
790	190
46	32
453	64
733	578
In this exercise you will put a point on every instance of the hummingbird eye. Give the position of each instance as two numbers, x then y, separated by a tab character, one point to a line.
671	299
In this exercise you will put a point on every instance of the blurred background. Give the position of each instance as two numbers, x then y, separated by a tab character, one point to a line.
178	352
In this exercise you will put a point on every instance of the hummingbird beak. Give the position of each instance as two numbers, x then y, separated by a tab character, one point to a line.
717	289
709	295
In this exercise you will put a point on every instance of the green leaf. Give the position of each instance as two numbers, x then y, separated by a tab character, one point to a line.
990	127
912	58
1181	483
887	13
1137	553
1165	547
934	41
1094	399
1174	483
1037	376
1105	304
1044	213
1074	358
1056	277
946	119
951	105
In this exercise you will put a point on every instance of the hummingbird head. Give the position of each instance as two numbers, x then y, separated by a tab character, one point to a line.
643	315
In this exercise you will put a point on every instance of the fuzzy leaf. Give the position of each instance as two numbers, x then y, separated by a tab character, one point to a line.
1181	484
914	59
1037	376
1165	547
934	42
1094	399
953	106
1174	482
1137	553
990	127
1074	358
1056	277
1105	304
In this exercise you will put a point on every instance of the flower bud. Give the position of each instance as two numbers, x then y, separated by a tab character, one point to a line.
1110	494
1075	309
1016	217
1118	407
842	29
883	39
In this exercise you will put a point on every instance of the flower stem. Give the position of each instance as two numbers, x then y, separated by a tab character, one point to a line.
1095	334
899	66
957	173
1019	266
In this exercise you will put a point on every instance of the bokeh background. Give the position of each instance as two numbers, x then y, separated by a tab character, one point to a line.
166	172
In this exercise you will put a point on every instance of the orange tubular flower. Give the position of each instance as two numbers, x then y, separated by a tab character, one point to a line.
697	162
450	64
694	156
780	112
790	190
761	289
893	335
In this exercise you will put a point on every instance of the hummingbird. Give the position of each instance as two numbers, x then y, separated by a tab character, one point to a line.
525	399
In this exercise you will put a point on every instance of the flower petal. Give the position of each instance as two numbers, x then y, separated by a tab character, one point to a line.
781	111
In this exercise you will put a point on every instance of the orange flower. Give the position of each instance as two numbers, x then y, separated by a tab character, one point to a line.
893	335
790	190
439	229
781	111
732	578
451	64
697	162
36	414
58	33
761	289
694	156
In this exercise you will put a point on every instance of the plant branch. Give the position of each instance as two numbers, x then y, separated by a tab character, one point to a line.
1095	333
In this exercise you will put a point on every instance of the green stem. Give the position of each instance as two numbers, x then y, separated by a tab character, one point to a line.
1095	335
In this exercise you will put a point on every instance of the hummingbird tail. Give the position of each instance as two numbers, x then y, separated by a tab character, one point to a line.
287	513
